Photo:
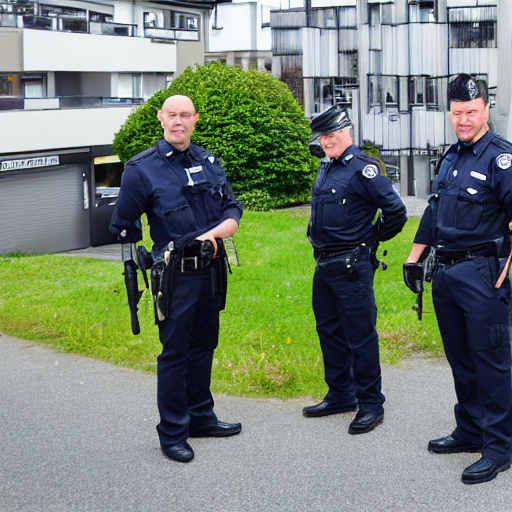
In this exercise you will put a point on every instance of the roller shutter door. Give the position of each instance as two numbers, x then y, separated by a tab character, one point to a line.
43	211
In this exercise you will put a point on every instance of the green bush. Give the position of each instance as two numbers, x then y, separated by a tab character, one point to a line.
250	120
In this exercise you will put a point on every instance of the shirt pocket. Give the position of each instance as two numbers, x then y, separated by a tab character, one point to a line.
180	219
469	209
334	211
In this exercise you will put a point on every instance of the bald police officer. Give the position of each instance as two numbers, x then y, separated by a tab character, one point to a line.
343	229
467	221
184	192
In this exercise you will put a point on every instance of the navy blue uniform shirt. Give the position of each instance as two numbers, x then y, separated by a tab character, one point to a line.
471	204
181	193
346	195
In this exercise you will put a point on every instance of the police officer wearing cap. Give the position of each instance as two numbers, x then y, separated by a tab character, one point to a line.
186	197
466	222
353	207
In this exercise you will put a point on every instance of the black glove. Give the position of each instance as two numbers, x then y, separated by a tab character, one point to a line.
202	250
413	276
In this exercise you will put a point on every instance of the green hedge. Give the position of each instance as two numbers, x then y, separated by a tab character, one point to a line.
250	120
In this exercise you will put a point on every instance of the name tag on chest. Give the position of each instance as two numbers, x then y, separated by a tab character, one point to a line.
192	170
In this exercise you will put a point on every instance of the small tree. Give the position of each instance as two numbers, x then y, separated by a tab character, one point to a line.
249	120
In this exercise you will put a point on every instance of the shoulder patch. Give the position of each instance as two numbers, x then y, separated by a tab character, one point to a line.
504	161
211	158
370	171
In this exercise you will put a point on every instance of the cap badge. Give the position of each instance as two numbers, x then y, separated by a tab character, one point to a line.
472	89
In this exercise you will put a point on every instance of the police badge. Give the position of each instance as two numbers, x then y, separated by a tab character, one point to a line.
504	161
370	171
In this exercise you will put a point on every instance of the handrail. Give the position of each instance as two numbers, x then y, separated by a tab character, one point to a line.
19	103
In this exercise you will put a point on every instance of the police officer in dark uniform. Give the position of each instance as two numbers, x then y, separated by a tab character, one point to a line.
353	207
188	203
466	222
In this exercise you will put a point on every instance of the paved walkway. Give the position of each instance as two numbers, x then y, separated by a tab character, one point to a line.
78	435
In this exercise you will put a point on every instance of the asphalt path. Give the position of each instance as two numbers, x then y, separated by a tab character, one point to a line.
78	435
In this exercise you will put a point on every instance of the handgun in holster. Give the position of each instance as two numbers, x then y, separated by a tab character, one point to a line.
162	282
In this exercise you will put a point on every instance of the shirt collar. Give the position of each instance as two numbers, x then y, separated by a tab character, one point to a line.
169	151
345	158
478	147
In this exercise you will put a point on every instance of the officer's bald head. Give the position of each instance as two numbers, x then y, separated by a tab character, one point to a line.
178	101
178	118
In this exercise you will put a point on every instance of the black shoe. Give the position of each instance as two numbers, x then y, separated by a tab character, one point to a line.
181	452
450	445
221	429
483	470
325	408
365	422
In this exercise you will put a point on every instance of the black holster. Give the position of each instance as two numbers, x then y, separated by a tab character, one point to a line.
220	269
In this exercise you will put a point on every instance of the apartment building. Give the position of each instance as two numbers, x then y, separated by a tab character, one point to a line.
389	63
70	74
239	34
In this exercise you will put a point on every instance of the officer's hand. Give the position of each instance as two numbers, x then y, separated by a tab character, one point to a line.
209	236
413	276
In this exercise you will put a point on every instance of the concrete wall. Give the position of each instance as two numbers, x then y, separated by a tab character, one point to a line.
22	131
62	51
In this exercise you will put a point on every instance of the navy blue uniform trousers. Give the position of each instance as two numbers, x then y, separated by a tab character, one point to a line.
346	316
189	337
473	320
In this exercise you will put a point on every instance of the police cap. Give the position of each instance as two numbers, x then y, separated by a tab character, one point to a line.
467	88
331	120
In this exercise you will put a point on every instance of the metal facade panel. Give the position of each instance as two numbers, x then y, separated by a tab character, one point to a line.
43	211
476	61
394	59
428	43
320	47
428	128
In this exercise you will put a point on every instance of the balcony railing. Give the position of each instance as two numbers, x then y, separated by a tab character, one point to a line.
64	102
68	24
171	34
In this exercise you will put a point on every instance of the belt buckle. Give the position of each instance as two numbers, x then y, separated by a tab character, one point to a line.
189	263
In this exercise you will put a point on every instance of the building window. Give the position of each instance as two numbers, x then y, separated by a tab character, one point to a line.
286	42
416	91
390	90
431	90
183	21
324	18
479	34
348	17
373	91
348	65
7	85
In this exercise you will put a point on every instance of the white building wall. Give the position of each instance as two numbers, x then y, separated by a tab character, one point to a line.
63	51
62	128
123	12
237	33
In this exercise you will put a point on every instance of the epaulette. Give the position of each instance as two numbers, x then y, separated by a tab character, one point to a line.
140	156
502	143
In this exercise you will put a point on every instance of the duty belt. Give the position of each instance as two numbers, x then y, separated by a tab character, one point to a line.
451	258
321	254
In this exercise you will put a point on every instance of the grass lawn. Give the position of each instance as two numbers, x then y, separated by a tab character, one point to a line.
268	345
